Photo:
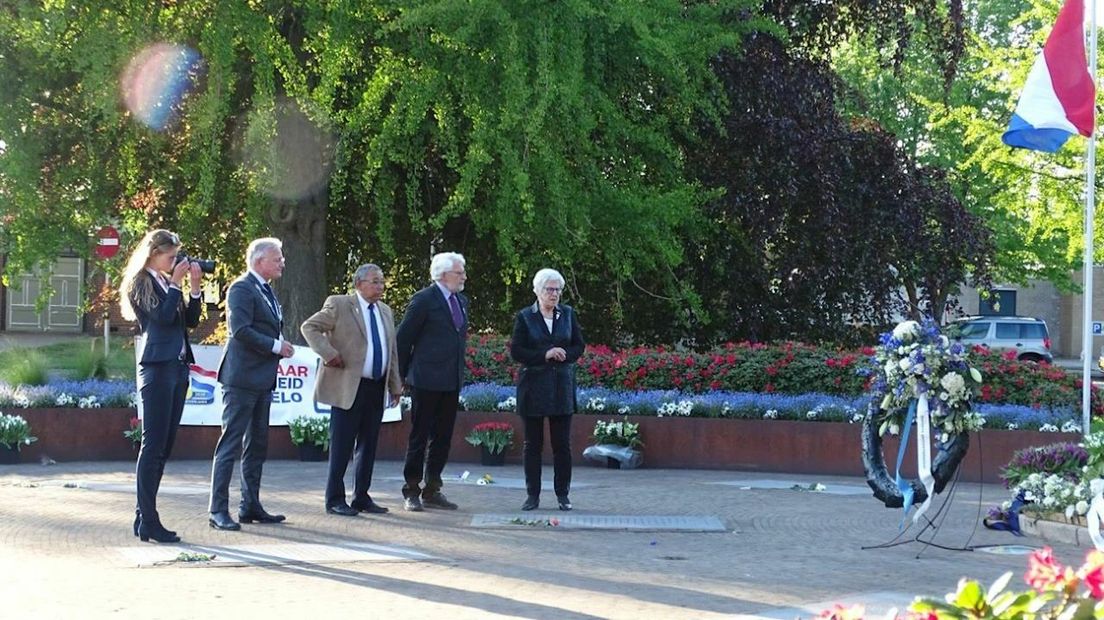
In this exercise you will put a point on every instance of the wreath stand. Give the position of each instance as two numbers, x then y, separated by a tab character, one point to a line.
945	470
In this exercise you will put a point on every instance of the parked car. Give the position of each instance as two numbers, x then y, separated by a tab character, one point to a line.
1027	336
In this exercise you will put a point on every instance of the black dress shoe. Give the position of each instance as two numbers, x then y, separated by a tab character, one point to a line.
565	503
157	533
260	516
412	504
438	500
222	521
531	503
369	506
343	510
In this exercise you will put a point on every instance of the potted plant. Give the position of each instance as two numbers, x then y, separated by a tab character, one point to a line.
134	433
493	438
14	434
617	443
312	435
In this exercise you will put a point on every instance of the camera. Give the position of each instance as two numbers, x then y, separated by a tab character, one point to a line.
206	266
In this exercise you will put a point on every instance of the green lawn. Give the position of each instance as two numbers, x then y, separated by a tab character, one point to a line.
70	357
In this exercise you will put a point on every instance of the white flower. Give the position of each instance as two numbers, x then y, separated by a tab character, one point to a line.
771	414
1082	507
64	400
1048	428
89	402
623	409
953	383
906	331
1071	427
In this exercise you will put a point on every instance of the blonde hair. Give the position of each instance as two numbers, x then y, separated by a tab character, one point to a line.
136	292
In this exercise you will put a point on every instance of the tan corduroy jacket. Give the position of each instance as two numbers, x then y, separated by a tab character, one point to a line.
338	329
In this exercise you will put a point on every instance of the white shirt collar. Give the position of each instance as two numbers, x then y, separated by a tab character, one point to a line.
257	276
444	291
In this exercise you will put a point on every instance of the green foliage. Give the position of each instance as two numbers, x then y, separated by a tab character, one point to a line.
15	432
310	430
91	363
26	367
134	433
1031	201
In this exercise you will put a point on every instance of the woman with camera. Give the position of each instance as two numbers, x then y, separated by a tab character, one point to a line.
151	294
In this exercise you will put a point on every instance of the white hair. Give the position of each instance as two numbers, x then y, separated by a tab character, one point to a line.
544	276
443	262
259	247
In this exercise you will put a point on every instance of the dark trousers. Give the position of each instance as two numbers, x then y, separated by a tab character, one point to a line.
432	414
357	427
163	386
559	431
245	434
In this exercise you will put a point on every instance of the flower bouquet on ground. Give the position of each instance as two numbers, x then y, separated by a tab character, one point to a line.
616	443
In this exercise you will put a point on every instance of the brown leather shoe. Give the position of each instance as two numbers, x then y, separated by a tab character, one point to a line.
438	500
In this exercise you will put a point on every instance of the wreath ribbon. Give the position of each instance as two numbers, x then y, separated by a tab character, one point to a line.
918	410
1096	511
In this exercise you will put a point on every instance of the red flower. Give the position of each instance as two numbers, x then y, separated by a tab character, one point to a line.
1045	574
1092	574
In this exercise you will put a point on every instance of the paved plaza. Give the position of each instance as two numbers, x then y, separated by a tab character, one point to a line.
640	544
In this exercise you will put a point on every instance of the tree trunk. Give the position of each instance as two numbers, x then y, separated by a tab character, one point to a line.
301	226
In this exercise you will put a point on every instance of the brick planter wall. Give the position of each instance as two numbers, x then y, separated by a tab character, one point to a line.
829	448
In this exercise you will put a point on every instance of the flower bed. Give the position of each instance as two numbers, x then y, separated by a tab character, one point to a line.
787	368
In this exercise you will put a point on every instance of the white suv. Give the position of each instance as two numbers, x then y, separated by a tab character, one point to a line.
1027	336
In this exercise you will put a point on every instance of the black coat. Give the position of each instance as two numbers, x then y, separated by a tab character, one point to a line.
546	388
431	349
165	328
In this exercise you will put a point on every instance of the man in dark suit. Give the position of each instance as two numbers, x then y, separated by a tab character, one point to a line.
432	340
355	335
248	376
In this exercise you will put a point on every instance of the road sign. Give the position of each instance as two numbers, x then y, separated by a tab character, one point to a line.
107	244
1098	328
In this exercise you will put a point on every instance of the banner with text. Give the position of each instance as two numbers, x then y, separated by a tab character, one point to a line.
293	396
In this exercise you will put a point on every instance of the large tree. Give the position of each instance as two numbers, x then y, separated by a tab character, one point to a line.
525	134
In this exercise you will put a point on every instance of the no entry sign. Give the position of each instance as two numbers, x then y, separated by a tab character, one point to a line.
107	242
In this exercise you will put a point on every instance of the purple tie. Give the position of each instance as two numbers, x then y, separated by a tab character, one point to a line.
457	316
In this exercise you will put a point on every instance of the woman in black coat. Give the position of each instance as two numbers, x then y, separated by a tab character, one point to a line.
547	341
152	294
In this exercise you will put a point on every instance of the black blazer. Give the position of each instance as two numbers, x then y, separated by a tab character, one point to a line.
165	328
544	387
248	361
431	349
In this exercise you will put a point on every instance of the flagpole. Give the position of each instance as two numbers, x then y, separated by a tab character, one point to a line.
1090	209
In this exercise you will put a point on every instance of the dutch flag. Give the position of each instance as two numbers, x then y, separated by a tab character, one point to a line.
1059	95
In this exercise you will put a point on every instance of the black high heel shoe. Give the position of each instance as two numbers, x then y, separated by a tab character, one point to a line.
158	534
138	525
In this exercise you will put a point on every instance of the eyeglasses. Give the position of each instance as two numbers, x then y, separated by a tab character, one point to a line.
553	290
459	273
375	282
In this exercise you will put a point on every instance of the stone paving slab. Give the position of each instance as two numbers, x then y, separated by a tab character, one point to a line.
270	554
788	485
124	487
636	523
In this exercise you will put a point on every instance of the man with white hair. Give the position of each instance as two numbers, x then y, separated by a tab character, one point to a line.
432	340
247	372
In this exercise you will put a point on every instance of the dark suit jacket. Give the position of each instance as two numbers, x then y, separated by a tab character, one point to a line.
545	387
248	361
165	328
431	349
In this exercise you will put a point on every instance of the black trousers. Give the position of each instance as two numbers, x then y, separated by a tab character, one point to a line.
162	386
433	414
357	427
559	431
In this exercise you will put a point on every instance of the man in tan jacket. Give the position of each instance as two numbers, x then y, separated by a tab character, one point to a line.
354	334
